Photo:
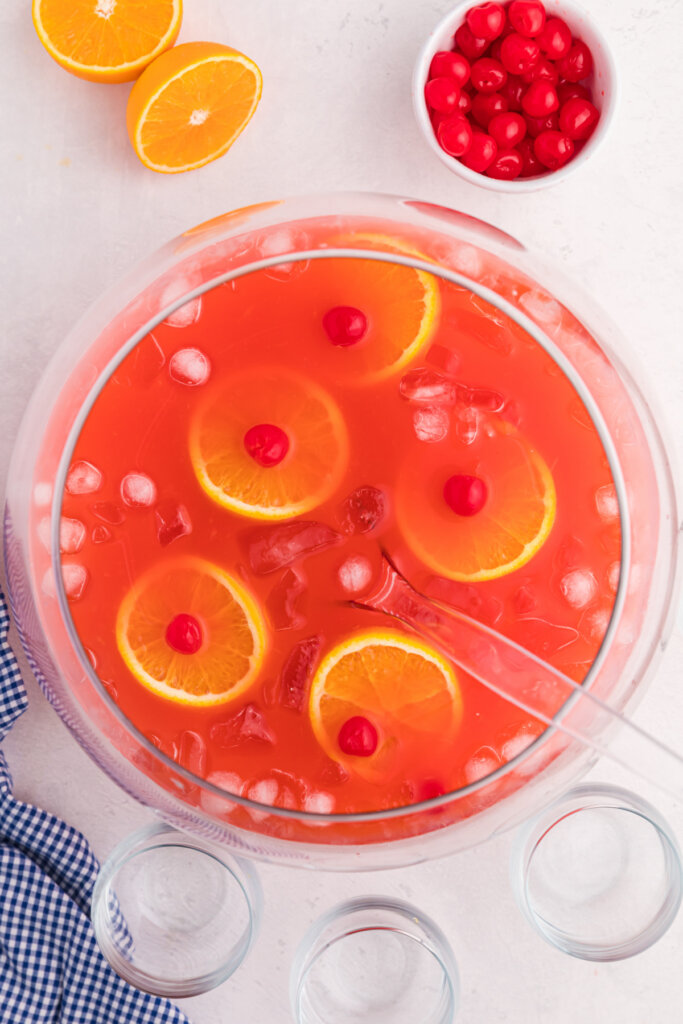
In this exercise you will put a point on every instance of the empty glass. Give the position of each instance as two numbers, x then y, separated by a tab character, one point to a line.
173	914
598	873
376	960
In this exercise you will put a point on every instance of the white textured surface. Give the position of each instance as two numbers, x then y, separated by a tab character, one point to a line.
78	209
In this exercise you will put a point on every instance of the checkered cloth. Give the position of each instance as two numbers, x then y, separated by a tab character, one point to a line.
51	969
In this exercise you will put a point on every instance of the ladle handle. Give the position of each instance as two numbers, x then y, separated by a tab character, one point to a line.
523	679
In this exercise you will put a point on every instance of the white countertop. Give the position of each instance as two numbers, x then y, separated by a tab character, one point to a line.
78	209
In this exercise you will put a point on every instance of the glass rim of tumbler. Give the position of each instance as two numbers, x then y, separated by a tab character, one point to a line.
597	796
437	945
522	320
156	836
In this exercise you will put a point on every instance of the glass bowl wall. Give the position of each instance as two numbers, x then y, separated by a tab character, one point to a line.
503	272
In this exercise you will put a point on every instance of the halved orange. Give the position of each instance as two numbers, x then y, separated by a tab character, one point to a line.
506	533
308	473
401	304
230	631
407	690
189	106
106	40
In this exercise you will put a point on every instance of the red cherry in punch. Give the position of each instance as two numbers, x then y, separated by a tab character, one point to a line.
442	94
345	325
578	118
486	21
540	99
446	64
455	135
554	149
508	129
577	64
488	75
507	166
266	443
472	46
555	40
519	54
527	17
464	494
184	634
358	737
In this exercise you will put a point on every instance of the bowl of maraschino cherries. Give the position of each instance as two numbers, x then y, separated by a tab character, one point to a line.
515	96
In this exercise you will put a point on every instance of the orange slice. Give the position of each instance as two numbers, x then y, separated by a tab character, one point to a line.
505	534
106	40
190	105
309	472
231	633
401	304
403	687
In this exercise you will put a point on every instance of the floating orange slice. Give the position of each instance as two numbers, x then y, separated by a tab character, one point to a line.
405	689
513	524
303	477
106	40
191	104
401	305
191	633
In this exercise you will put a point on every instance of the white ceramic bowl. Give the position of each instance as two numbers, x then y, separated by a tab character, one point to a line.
603	82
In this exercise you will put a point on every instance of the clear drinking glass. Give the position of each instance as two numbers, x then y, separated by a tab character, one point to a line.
598	873
376	960
174	915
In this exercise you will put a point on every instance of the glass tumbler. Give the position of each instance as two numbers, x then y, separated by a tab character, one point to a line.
598	873
376	960
173	914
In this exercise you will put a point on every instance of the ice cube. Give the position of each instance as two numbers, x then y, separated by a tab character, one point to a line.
44	532
579	587
363	510
480	398
606	502
172	521
42	494
445	359
524	599
83	478
593	624
543	309
186	314
143	364
545	638
276	789
519	742
274	547
190	367
283	241
427	386
466	598
231	783
355	573
138	490
71	535
108	512
248	724
319	802
296	672
75	578
166	746
571	553
431	424
613	574
281	602
482	763
47	584
100	534
467	425
334	774
467	260
192	752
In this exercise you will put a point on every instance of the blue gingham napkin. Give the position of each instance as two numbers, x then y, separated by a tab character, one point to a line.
51	969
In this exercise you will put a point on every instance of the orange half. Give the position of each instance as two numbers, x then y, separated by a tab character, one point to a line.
190	105
233	633
309	472
508	531
106	40
407	690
